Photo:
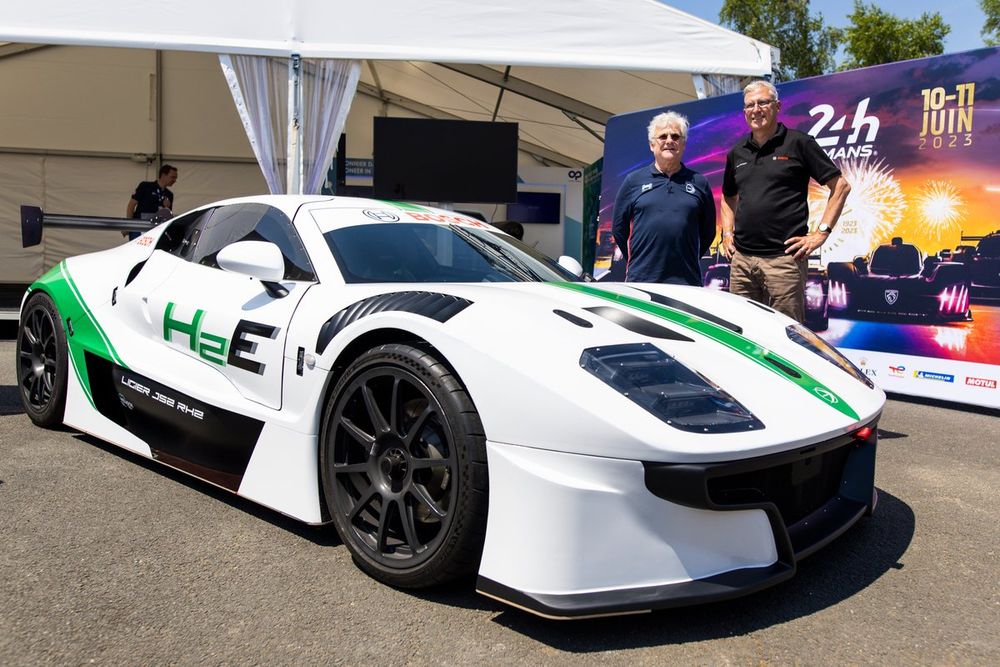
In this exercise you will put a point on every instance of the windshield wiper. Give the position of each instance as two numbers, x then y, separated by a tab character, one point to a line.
495	257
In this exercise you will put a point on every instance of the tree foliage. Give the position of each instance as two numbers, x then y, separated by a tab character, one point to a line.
807	46
991	28
875	36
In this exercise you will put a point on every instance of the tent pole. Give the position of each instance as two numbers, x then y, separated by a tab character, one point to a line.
294	173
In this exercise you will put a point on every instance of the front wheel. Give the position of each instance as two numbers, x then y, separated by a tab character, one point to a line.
42	361
403	461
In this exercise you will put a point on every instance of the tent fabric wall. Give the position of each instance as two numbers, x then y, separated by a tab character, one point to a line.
94	186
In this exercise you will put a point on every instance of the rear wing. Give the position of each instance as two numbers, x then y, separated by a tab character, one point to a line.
33	219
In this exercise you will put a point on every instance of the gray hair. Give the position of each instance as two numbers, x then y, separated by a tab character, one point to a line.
668	118
761	83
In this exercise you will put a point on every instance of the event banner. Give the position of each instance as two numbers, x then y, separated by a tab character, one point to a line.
908	284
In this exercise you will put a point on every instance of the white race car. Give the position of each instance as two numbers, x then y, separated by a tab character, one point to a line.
454	402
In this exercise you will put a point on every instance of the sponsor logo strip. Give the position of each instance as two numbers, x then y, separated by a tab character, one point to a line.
734	341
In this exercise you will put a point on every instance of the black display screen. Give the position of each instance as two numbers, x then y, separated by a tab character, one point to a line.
422	159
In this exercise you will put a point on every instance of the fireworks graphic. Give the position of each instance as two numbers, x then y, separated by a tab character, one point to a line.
872	212
938	209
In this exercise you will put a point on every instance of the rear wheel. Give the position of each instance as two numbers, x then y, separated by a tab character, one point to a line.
41	361
403	460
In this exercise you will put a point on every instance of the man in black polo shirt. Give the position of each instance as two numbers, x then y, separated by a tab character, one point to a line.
765	212
150	196
664	215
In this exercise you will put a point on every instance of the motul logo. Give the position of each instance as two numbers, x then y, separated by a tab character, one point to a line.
981	382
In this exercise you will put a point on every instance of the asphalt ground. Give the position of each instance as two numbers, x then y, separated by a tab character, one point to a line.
108	558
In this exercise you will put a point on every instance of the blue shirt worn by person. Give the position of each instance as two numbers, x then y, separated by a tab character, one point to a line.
663	224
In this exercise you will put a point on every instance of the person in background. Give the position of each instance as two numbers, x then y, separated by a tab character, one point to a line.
150	196
765	211
664	214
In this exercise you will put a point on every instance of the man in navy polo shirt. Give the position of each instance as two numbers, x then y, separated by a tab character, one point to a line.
765	211
664	215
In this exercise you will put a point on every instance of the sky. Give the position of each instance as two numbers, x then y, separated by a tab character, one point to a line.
964	16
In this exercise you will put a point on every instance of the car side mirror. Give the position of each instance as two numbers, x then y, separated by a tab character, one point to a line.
258	259
571	265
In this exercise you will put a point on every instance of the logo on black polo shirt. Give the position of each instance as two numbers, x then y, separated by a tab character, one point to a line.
646	186
689	188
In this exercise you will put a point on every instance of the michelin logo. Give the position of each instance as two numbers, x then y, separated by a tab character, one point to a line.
930	375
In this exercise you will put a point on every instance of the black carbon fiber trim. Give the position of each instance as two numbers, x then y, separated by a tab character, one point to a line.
569	317
637	324
692	310
440	307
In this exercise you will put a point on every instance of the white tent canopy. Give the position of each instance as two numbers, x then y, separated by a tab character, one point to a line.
604	34
637	36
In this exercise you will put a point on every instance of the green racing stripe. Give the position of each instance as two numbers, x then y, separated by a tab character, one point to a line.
734	341
87	334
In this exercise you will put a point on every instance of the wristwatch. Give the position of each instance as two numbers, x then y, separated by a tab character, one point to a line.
824	228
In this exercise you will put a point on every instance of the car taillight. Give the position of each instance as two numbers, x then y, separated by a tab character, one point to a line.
865	433
953	300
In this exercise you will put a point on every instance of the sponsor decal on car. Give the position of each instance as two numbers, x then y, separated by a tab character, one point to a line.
931	375
985	383
219	349
144	240
897	371
157	396
381	216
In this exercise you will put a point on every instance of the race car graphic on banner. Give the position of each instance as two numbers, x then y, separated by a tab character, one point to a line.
910	276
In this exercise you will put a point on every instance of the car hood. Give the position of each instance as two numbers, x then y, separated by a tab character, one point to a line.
518	347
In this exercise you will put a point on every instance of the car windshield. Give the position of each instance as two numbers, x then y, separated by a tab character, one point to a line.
989	247
896	260
425	253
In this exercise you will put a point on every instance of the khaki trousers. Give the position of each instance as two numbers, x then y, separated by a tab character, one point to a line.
778	281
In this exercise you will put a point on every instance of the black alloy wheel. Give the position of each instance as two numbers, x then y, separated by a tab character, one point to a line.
42	361
403	458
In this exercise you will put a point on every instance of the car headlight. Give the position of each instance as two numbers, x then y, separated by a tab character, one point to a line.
809	340
674	393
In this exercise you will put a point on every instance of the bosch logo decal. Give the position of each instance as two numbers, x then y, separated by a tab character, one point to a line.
381	216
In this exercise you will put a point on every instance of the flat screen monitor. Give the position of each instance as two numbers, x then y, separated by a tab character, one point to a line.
536	208
423	159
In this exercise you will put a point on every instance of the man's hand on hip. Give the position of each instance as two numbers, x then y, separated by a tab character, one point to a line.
803	246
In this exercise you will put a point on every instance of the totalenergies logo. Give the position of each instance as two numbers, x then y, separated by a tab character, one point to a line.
829	131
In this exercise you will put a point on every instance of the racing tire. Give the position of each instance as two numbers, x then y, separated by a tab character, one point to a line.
42	361
403	466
